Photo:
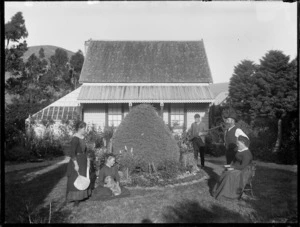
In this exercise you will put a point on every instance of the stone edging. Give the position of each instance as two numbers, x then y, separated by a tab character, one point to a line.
169	186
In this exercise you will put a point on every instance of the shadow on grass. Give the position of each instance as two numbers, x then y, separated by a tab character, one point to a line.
213	178
23	198
275	195
217	162
192	212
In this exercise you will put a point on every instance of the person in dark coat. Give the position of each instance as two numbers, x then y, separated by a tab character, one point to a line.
231	135
197	135
78	164
236	175
103	192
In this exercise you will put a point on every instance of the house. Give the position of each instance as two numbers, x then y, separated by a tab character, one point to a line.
173	76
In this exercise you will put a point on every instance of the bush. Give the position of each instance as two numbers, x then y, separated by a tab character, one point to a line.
144	131
170	169
128	160
216	149
262	139
95	136
17	153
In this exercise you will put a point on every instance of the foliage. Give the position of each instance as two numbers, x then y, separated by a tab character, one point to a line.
240	87
108	133
47	147
268	89
94	135
169	169
128	160
75	67
145	132
35	83
15	29
262	138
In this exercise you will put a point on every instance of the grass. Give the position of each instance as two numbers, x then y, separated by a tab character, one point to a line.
31	198
275	201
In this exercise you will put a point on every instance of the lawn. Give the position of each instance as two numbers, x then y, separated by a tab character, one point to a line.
275	200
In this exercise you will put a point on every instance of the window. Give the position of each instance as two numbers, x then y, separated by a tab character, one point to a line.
114	114
177	115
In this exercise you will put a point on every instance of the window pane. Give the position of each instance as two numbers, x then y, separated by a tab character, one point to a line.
55	111
60	111
65	112
50	112
39	115
70	110
45	113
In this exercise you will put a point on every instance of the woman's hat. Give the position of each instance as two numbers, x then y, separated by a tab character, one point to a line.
81	182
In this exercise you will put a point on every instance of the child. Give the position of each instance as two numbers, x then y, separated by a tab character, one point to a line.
112	185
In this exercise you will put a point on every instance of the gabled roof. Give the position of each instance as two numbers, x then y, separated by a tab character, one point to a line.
145	62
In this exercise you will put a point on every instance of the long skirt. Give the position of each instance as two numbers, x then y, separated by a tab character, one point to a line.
231	184
103	193
73	194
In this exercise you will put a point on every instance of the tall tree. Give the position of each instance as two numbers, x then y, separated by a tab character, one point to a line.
15	29
42	53
272	89
240	87
75	67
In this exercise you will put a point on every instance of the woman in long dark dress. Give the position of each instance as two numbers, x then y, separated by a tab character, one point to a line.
103	192
78	164
232	181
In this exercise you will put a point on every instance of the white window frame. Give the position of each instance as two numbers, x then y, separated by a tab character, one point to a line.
114	114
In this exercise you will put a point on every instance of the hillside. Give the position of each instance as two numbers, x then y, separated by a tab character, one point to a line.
48	50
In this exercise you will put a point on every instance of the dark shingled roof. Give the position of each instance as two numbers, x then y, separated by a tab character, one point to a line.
146	62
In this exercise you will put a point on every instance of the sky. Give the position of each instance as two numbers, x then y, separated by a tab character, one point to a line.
231	31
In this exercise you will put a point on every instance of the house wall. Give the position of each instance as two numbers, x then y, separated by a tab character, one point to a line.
166	113
94	114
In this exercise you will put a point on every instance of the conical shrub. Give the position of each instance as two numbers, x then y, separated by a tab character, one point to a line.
146	133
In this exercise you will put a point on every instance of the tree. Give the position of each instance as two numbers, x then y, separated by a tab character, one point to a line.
240	88
75	67
41	53
270	92
15	29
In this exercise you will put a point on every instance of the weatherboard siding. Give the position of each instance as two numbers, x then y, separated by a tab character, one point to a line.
94	114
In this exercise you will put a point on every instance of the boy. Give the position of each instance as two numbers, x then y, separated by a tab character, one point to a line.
197	136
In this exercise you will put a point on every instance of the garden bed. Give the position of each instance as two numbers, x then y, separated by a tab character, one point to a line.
152	181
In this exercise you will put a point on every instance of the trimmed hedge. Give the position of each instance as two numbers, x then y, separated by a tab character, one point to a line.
146	133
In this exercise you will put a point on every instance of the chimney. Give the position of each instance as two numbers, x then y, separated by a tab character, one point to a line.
86	45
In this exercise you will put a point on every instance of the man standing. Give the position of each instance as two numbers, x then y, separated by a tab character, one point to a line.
231	135
197	136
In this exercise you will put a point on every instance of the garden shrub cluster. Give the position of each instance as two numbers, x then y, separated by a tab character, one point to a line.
143	131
